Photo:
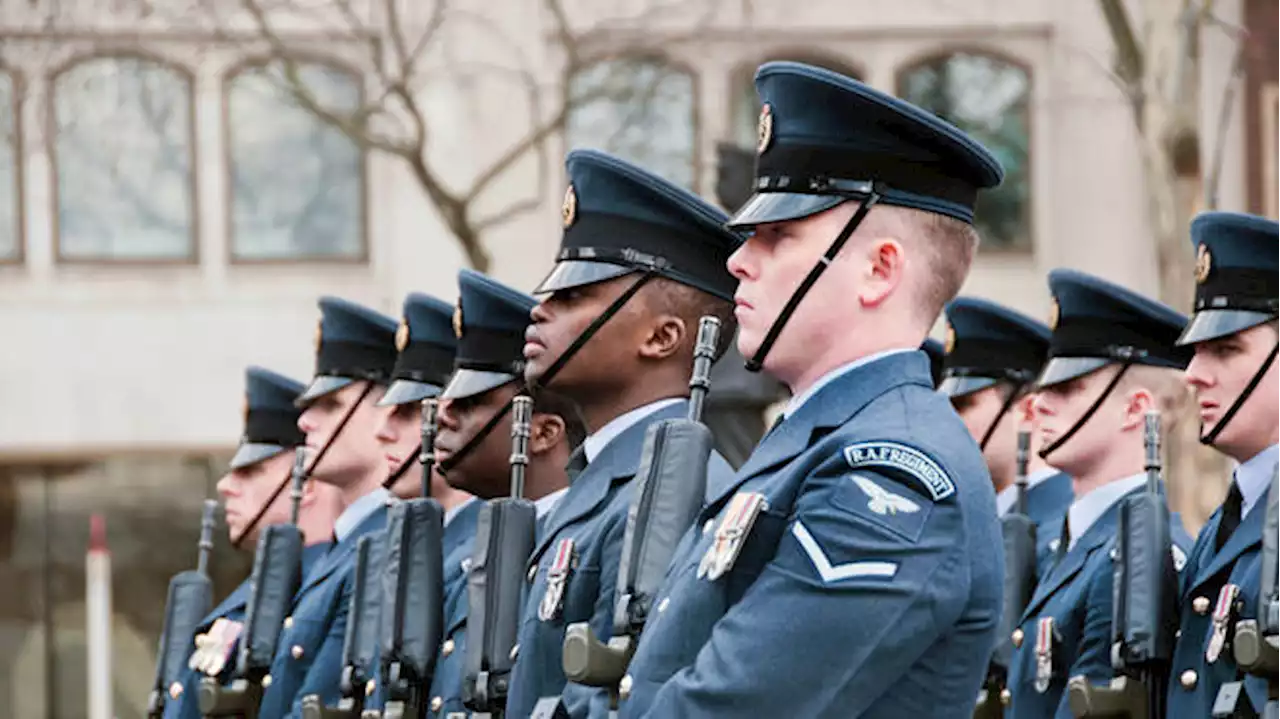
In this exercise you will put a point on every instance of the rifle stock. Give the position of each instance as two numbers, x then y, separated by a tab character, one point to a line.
277	573
671	485
190	598
505	533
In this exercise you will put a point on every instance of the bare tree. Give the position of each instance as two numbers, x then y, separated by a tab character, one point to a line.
403	47
1157	65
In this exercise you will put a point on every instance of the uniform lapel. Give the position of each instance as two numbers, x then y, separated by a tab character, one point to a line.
618	460
1094	538
1049	498
830	407
1247	536
236	600
342	551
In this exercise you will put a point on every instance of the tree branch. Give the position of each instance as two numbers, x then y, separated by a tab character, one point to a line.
1129	58
1214	179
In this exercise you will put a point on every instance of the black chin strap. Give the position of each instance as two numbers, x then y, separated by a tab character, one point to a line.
1008	403
1044	453
404	467
1212	436
452	460
757	360
235	543
545	379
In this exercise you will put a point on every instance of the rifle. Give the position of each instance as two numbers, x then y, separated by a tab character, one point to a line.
1144	610
672	478
1019	534
1256	640
504	542
410	582
277	573
190	599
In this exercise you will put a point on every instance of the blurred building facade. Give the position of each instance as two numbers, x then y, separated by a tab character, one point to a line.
168	215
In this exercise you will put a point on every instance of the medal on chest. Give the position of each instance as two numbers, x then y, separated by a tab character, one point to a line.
557	577
1223	613
213	648
726	543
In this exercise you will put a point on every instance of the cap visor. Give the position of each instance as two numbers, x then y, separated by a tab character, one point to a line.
765	207
471	382
960	386
576	273
252	453
321	386
1211	324
1063	369
404	391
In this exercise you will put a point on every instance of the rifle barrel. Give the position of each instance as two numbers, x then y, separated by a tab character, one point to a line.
1151	443
704	352
426	454
206	536
1024	452
299	476
521	428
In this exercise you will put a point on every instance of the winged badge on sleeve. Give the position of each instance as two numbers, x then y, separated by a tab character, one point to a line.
883	501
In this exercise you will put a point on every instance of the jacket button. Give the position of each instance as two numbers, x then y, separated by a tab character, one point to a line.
296	651
1200	605
1006	697
288	622
436	704
1017	637
266	681
370	687
175	690
1188	679
533	573
706	528
515	652
447	648
624	687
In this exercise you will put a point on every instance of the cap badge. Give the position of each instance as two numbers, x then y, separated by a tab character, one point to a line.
402	335
1054	312
1204	264
950	342
244	409
457	320
569	210
319	333
764	129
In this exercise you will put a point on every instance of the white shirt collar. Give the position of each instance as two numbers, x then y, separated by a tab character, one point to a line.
826	379
598	440
359	510
544	505
453	512
1006	497
1087	509
1254	476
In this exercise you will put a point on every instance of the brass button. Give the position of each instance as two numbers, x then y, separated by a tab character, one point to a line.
447	648
624	686
288	622
175	690
266	681
533	573
1188	679
706	528
1006	697
369	687
662	606
296	651
1200	605
1017	637
436	704
515	652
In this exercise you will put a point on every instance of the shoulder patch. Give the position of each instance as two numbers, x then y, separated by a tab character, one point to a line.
908	460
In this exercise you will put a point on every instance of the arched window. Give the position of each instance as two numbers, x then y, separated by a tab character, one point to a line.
989	98
10	182
746	103
296	181
640	109
123	158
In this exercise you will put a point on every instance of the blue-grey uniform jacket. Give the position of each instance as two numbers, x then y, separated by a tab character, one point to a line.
309	654
1194	680
869	584
1075	593
233	608
592	516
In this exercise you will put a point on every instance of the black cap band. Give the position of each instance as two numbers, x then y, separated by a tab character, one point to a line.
820	170
490	350
1239	288
358	361
687	257
1115	340
424	362
994	358
265	426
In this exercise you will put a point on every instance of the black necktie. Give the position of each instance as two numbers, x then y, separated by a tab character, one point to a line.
1064	539
1230	516
577	462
